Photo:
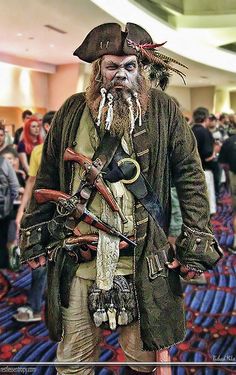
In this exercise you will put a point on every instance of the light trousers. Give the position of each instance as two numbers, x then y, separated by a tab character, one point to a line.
81	337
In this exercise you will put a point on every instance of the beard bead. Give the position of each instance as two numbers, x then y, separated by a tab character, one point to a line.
101	105
109	117
131	114
139	110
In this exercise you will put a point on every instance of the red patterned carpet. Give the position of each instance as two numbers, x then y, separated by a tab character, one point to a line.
210	312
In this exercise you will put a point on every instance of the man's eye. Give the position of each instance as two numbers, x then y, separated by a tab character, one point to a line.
111	67
130	67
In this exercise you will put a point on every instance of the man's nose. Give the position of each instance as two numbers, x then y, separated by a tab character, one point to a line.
121	73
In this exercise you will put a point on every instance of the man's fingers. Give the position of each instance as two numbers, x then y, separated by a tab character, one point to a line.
184	271
33	263
174	264
37	262
189	275
42	260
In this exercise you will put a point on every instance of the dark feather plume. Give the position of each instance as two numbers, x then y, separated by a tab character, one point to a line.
159	75
158	64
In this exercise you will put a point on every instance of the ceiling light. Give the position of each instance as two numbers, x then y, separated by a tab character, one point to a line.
19	34
55	29
52	45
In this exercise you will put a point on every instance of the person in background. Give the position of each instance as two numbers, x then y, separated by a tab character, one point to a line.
232	124
12	156
31	137
223	126
206	144
9	190
119	117
25	116
214	129
227	158
9	138
33	168
31	312
3	143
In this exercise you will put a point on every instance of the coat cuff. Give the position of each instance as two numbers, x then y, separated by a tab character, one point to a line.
197	250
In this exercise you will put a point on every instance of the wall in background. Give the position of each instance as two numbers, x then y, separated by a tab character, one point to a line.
21	87
62	84
202	97
183	95
233	100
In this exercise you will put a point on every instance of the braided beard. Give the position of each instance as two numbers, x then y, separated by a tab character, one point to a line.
121	121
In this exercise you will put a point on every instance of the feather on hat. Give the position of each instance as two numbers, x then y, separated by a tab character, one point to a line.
109	39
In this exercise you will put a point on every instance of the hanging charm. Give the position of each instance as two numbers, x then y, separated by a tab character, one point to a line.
101	105
109	117
111	312
139	110
98	317
104	315
123	317
131	114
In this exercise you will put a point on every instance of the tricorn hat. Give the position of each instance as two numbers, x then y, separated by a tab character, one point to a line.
109	39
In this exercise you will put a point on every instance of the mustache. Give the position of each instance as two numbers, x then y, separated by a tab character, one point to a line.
120	82
124	90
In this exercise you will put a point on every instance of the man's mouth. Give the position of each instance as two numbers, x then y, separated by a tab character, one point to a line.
119	85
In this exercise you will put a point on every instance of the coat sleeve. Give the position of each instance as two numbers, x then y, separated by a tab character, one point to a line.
34	233
196	246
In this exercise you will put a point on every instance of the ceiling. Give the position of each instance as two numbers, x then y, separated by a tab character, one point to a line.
202	34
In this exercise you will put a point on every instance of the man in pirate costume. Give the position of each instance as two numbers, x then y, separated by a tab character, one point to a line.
107	163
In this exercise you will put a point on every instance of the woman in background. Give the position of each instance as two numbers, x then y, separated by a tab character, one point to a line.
31	137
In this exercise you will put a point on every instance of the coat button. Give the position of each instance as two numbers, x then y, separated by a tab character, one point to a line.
198	240
27	233
39	229
74	143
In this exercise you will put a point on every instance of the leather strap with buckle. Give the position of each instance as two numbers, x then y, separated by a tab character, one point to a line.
84	247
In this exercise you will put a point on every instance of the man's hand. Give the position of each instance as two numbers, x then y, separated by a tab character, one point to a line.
184	271
37	262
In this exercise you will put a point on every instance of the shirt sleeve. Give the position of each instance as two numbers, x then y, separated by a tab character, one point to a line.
21	147
12	179
35	159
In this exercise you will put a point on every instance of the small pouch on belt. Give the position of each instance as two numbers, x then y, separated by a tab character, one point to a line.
157	262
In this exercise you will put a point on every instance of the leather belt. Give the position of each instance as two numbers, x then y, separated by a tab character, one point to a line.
84	247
